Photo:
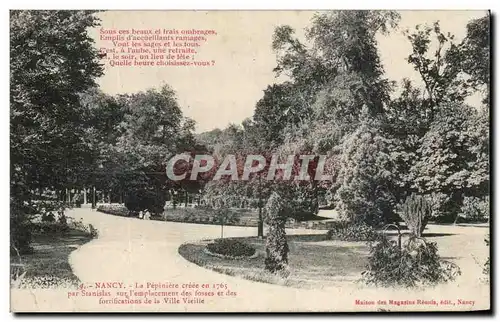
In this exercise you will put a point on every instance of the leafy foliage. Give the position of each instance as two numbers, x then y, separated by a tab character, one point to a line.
440	72
20	236
365	178
117	210
144	198
346	38
454	158
52	59
203	215
231	248
347	231
415	211
475	209
47	73
475	55
276	244
417	263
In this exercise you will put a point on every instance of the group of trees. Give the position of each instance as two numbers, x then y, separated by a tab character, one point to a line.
386	141
389	143
52	59
67	134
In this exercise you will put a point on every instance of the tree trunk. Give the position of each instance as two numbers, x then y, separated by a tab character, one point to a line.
260	224
94	201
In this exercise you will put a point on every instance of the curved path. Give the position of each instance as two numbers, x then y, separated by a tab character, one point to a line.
132	251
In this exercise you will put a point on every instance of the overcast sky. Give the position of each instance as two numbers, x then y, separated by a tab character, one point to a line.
227	92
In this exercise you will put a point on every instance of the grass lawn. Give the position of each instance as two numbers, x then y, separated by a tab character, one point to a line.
314	262
48	265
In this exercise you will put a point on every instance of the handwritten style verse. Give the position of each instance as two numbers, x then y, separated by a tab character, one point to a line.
155	47
109	293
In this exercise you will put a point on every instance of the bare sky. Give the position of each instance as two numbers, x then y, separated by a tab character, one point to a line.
227	92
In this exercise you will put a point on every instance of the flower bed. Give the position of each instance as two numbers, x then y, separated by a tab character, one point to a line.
204	216
63	226
117	210
230	249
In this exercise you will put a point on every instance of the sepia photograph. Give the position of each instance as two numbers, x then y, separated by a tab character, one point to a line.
250	161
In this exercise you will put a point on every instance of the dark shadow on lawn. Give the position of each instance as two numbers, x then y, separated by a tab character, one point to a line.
405	234
437	234
306	238
315	217
289	238
461	224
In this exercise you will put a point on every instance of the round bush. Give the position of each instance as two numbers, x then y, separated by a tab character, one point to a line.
231	247
416	263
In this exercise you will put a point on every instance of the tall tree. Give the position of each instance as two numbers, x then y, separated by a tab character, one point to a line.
475	50
366	176
454	158
52	59
345	41
440	71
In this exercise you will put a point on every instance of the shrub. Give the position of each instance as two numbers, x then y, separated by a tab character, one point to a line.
276	245
117	210
440	210
445	207
225	215
415	211
454	156
203	215
49	227
348	231
20	236
141	199
46	206
230	247
48	217
475	209
302	203
80	226
416	263
22	228
63	220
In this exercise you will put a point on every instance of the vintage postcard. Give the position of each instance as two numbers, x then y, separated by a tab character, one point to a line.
249	161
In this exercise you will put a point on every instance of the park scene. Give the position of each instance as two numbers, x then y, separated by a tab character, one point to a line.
398	199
